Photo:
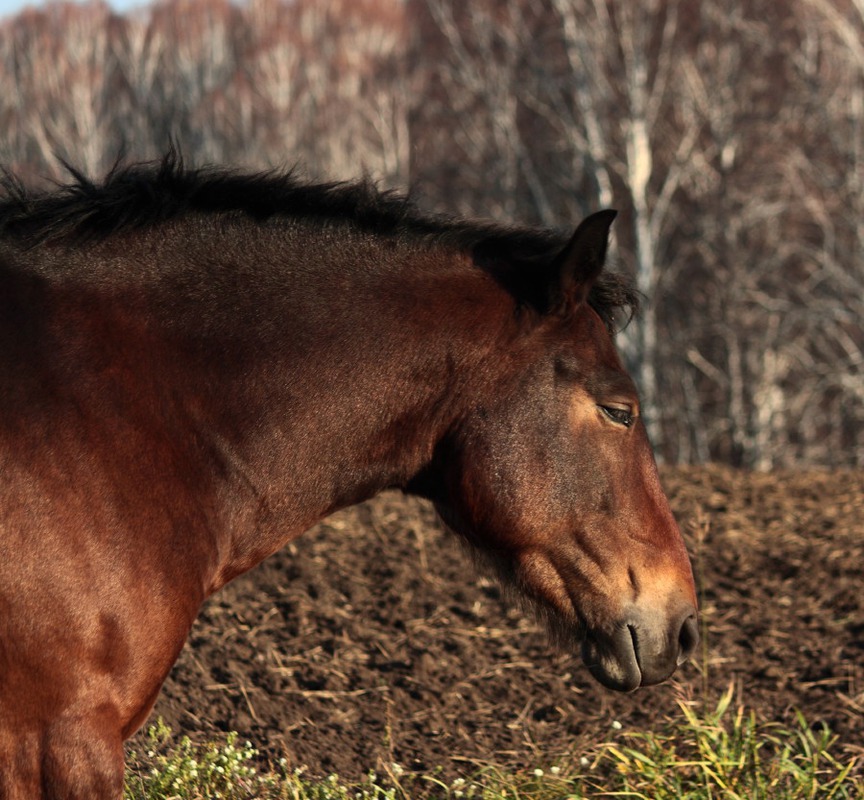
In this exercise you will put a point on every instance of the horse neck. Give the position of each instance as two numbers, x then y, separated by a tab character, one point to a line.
334	379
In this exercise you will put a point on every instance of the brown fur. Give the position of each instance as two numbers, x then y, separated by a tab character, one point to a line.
181	397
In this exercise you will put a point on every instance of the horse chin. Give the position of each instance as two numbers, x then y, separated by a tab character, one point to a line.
612	660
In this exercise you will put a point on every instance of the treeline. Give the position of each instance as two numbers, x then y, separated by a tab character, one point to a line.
729	133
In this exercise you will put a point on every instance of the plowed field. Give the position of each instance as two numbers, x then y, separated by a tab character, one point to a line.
372	639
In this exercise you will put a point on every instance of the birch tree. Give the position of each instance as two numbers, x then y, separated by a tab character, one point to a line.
331	86
770	331
60	85
635	115
567	106
473	78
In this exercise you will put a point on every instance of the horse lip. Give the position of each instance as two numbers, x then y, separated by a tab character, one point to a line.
634	643
613	660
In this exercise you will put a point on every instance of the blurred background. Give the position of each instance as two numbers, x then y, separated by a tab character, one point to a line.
728	133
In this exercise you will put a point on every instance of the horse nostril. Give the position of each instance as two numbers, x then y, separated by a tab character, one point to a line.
688	638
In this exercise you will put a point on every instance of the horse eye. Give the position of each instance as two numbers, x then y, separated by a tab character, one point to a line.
620	416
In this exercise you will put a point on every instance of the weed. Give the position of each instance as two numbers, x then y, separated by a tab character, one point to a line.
706	755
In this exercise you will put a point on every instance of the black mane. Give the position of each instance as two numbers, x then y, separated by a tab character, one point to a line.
143	195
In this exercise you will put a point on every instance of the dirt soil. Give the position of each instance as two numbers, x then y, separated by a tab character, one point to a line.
372	639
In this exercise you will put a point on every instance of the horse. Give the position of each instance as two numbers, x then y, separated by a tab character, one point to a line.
197	364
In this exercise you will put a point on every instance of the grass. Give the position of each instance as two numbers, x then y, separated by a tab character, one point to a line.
718	752
731	755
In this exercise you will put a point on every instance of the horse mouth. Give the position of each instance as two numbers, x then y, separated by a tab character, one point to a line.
613	661
642	651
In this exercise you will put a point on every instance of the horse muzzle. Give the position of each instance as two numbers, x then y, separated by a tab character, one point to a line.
643	649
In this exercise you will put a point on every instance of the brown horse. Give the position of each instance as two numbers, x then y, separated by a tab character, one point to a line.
196	366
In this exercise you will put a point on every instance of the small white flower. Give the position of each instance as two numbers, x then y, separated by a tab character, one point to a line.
538	773
555	770
584	762
616	726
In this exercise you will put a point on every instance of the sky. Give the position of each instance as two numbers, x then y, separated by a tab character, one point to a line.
10	7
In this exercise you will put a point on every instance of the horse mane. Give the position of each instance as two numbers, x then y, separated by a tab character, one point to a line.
142	195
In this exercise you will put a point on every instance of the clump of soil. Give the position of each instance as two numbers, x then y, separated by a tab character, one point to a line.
372	639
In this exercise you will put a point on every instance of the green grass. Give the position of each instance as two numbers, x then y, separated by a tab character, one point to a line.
731	755
718	752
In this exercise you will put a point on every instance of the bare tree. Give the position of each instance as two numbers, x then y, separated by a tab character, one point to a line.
636	117
470	64
60	85
772	341
597	94
729	133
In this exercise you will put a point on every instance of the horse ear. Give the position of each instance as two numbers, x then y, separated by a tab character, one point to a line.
576	268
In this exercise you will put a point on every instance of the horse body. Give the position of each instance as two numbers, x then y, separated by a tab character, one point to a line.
181	397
